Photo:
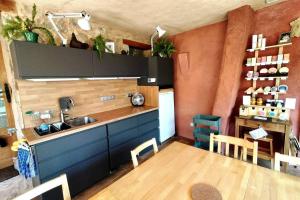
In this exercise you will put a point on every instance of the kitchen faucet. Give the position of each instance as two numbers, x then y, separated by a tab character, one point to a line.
65	104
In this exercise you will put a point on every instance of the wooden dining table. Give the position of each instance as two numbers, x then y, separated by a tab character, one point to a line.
172	172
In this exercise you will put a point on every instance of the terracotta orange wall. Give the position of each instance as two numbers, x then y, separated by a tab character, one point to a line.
197	65
272	21
239	26
196	82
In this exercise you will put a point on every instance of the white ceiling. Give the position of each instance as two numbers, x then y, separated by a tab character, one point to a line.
142	16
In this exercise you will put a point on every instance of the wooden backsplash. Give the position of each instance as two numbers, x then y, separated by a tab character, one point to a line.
41	96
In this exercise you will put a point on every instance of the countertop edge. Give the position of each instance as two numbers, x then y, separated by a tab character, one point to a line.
83	128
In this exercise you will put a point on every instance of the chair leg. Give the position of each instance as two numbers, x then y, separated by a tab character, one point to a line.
272	163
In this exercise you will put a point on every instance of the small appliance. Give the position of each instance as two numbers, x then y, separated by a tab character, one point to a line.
137	99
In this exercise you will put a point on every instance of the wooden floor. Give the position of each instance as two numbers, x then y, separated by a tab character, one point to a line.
7	173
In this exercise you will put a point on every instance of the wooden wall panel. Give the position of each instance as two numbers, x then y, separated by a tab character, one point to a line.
41	96
151	94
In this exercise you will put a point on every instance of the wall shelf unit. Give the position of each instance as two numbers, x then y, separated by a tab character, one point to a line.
276	108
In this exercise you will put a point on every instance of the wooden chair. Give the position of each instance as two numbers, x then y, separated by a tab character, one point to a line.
140	148
59	181
237	142
263	153
291	160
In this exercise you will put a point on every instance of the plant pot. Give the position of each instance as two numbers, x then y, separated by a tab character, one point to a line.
31	36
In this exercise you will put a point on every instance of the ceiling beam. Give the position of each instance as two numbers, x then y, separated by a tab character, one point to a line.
137	45
7	5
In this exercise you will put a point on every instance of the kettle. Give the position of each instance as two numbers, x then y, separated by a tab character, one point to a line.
137	99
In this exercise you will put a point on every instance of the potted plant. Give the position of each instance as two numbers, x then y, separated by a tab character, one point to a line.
99	45
163	48
16	27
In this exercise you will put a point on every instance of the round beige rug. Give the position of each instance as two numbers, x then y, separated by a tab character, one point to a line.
202	191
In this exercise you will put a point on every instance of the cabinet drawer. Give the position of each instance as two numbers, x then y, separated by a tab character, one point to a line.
72	142
265	125
147	136
121	154
144	128
65	160
123	137
147	117
123	125
80	176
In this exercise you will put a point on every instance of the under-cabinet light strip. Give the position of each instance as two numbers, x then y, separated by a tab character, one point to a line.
77	79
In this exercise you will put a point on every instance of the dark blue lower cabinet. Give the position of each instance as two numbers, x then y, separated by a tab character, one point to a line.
89	156
83	157
124	137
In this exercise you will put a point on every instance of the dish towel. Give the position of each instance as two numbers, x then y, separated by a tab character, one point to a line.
27	166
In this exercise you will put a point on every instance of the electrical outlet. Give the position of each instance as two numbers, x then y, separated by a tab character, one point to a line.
107	98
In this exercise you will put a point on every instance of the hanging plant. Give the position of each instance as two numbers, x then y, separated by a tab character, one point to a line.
15	28
163	48
99	45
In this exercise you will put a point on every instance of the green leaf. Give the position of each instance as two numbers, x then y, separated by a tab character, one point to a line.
164	48
14	28
34	12
48	34
99	45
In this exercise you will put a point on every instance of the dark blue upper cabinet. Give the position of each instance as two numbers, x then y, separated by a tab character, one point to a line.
32	60
117	65
159	73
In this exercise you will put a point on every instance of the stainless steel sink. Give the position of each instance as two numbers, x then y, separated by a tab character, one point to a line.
79	121
61	126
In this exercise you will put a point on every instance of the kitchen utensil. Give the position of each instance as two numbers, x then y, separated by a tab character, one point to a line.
255	75
283	70
259	101
259	90
253	101
283	88
250	74
137	99
267	89
263	71
274	89
272	70
249	90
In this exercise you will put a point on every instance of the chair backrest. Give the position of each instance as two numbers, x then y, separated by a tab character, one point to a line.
285	158
140	148
237	142
59	181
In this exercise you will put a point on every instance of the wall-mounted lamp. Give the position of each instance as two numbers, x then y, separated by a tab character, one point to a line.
158	32
83	21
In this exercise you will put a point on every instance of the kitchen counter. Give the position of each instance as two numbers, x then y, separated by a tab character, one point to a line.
102	119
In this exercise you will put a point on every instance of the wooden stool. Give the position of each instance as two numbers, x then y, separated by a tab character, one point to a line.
263	153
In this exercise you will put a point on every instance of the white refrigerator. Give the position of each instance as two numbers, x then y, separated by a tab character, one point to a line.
166	114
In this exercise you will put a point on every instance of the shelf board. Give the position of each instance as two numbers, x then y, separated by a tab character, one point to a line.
270	78
266	64
272	107
269	93
270	47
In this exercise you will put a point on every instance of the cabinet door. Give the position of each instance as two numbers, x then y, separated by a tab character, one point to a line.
32	60
160	73
117	65
82	156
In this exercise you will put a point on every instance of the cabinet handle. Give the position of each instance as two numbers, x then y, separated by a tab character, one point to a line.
7	92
